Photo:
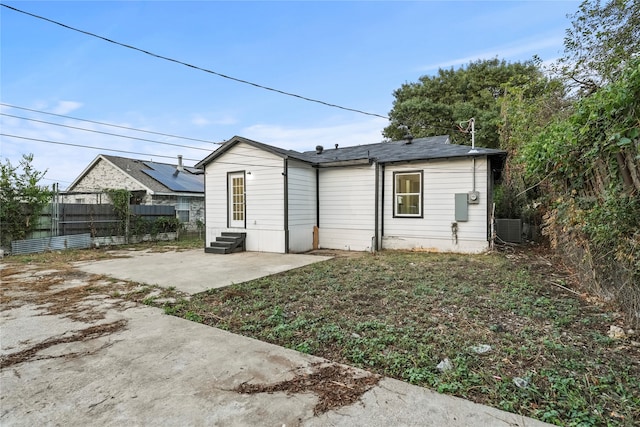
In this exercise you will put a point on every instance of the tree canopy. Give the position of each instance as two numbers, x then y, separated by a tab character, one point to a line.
438	105
602	39
22	199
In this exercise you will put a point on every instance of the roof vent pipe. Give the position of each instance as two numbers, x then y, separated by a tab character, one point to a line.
180	168
319	149
336	146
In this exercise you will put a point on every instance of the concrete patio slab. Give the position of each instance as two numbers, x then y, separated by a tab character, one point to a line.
194	271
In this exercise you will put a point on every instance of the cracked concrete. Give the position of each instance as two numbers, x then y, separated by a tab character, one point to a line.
162	370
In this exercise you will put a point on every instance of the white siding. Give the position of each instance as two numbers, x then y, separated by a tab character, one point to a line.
347	208
264	189
302	206
442	180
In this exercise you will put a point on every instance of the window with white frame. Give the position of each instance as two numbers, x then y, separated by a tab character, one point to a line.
407	194
182	209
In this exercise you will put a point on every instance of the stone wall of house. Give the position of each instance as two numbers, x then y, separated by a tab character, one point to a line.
84	198
104	175
197	211
196	208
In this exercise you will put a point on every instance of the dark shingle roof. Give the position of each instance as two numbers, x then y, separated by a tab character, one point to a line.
434	147
159	177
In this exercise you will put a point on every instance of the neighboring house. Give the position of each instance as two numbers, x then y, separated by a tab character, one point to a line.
150	183
422	194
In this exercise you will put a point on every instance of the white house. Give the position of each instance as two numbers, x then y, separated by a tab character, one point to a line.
424	194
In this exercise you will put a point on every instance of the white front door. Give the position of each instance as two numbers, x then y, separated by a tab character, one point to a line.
236	200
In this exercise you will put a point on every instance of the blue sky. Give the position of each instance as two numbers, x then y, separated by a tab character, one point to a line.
353	54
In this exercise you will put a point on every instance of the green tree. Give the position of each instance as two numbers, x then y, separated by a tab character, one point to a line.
437	105
602	39
22	199
597	146
522	118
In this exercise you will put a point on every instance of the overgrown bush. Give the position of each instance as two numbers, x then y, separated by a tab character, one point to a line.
602	242
22	199
593	189
140	226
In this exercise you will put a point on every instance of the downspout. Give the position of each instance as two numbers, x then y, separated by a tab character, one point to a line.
382	208
286	205
473	168
204	207
318	197
374	248
490	207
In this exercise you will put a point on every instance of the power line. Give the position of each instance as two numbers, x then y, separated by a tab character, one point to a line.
109	124
249	156
196	67
105	133
254	166
93	148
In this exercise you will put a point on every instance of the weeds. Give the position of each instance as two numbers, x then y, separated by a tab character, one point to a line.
400	314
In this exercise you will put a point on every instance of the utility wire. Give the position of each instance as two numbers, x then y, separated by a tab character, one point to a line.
109	124
248	156
93	148
258	166
106	133
255	166
196	67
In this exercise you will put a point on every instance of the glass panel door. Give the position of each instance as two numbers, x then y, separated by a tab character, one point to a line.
236	200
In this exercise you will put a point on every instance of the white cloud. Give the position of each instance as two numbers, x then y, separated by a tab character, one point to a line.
305	139
65	107
224	119
531	46
199	120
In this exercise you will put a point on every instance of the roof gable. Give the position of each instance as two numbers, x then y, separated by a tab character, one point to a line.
280	152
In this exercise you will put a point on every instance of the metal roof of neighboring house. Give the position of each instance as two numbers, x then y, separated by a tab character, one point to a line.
434	147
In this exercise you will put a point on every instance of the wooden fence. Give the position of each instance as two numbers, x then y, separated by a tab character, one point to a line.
63	219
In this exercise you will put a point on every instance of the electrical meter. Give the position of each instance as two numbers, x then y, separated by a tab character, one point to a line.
473	197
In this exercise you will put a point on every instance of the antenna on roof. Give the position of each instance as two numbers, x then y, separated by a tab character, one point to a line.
471	128
472	122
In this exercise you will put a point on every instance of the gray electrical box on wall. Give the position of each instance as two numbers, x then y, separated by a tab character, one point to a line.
462	204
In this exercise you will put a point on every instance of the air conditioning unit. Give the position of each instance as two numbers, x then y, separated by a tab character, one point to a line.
509	230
